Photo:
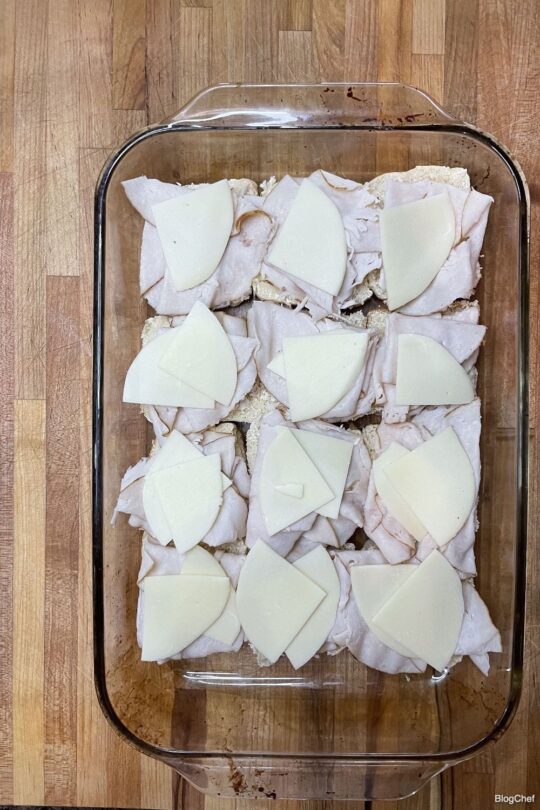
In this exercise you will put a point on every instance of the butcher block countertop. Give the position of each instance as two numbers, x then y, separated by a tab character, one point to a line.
77	77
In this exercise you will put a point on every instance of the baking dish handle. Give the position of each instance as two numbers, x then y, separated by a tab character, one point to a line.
324	780
367	105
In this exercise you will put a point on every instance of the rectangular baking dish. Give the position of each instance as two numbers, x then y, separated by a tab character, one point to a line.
335	729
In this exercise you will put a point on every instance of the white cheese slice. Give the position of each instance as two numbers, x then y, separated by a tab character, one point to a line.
427	374
277	365
285	460
396	505
227	627
154	512
372	586
147	384
416	239
318	566
321	369
436	479
190	495
176	449
292	490
194	229
200	562
426	612
274	600
311	244
177	610
332	457
201	355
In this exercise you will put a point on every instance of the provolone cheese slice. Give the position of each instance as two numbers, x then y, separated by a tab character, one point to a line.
332	457
274	600
154	512
426	612
227	627
436	479
147	384
396	505
427	374
286	461
318	566
194	229
277	365
416	239
200	562
190	495
372	587
177	610
201	355
311	243
176	449
321	369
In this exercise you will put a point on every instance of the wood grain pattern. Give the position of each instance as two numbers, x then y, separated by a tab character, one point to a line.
76	78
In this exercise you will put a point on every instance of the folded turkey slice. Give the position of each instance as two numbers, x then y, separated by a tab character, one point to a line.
311	245
225	442
314	527
182	503
194	230
160	560
432	358
460	272
321	369
188	419
382	523
436	480
355	239
230	282
425	613
340	381
478	636
201	355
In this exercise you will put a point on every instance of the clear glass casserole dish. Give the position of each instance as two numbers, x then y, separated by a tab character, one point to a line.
335	729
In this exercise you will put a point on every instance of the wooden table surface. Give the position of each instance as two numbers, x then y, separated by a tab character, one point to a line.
76	78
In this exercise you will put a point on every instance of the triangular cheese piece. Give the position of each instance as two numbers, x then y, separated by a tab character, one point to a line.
436	480
318	566
227	627
147	384
372	587
198	561
201	355
332	457
286	461
427	374
396	505
177	610
176	449
189	496
311	244
425	613
321	369
274	600
194	229
416	238
277	365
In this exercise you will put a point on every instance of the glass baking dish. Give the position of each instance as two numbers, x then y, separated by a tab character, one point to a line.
335	729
